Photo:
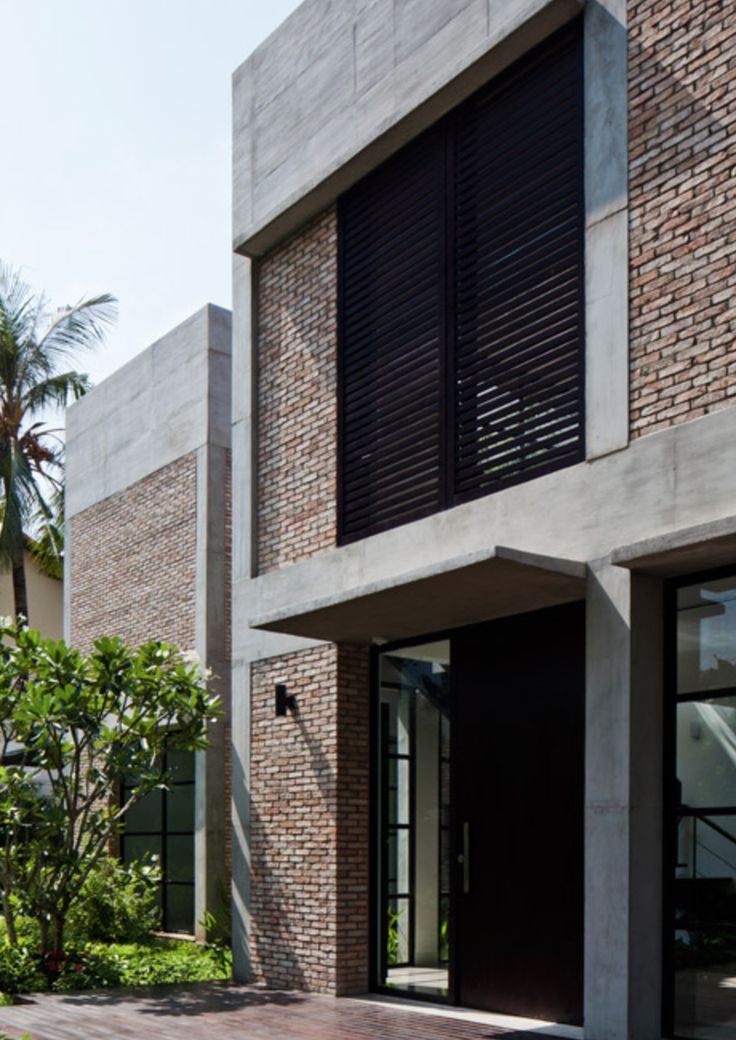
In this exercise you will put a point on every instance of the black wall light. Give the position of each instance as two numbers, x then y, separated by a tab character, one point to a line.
284	702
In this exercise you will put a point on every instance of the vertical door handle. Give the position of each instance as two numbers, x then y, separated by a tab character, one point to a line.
464	857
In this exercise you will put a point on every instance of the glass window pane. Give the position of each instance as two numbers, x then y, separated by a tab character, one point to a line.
398	931
145	815
136	847
403	862
706	752
414	865
399	790
705	936
179	908
180	765
180	808
706	636
180	859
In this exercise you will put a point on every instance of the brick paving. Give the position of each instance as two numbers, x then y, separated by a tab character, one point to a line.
218	1011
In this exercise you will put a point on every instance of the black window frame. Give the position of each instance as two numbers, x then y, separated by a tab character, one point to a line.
671	800
163	835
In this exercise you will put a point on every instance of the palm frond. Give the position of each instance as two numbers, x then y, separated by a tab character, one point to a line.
32	350
80	327
20	308
56	391
46	545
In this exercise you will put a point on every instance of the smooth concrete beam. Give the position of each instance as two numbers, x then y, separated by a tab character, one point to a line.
607	232
684	551
340	87
607	335
495	583
654	488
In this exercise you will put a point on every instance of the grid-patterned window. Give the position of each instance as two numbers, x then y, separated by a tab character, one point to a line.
162	824
462	301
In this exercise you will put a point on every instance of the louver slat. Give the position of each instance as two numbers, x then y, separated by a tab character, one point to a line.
392	248
519	226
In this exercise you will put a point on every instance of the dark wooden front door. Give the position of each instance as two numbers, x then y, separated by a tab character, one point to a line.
518	687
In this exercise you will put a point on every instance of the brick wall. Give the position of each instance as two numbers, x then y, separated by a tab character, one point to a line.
310	826
297	396
133	561
682	118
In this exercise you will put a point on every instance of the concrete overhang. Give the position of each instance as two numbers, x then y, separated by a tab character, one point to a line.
475	587
339	87
684	551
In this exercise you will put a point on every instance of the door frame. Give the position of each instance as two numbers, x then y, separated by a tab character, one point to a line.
375	894
376	959
669	779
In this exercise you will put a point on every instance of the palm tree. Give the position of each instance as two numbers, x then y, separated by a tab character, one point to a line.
35	347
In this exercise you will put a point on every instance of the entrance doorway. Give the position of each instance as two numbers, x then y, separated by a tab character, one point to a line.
480	816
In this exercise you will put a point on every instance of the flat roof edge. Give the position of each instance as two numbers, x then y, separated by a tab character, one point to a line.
525	23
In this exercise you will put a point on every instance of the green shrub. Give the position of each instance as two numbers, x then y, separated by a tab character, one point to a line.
144	964
118	903
20	970
101	965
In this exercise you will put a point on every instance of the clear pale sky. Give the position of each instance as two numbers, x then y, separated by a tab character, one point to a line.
115	158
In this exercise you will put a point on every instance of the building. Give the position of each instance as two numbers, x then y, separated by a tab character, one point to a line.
484	495
45	599
148	557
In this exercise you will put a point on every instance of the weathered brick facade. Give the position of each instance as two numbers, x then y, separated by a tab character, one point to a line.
297	396
682	118
310	827
311	772
134	558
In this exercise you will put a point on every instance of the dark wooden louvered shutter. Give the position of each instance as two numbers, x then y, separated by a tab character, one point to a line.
519	277
391	288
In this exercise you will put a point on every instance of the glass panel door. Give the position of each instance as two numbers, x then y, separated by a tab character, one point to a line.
414	819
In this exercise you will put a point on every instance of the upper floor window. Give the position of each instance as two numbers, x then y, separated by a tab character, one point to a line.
462	301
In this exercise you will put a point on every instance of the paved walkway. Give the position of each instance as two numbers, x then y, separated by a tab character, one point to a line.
219	1011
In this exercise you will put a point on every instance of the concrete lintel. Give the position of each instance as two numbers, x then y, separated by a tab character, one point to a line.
474	587
337	89
684	551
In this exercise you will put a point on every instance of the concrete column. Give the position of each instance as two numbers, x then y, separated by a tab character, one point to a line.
242	572
210	810
623	809
211	624
606	228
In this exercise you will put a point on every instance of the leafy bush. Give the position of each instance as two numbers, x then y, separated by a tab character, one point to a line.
85	722
101	965
20	970
168	960
117	903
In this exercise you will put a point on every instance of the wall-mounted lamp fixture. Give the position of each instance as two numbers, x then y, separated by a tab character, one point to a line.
284	702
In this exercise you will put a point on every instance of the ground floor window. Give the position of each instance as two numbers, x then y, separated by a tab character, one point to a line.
704	756
162	824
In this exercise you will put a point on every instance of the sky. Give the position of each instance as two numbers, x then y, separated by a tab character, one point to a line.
115	158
